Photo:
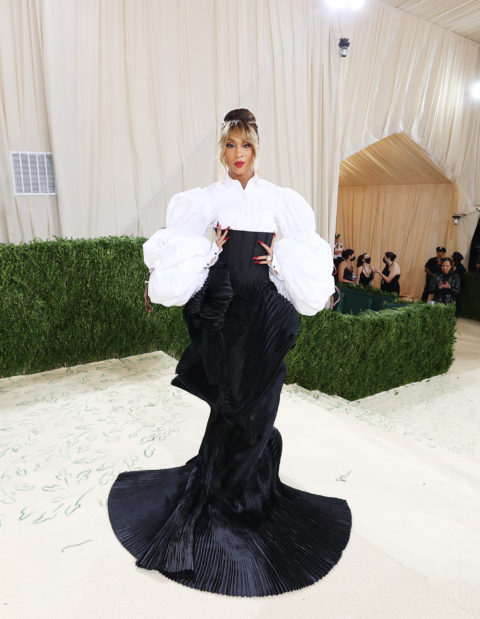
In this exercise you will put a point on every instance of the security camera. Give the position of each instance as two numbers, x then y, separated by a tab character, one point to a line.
344	44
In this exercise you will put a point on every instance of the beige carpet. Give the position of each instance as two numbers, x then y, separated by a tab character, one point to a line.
406	460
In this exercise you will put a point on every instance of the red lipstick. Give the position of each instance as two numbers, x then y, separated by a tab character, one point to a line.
238	164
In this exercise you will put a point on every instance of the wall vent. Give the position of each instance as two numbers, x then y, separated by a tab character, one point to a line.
33	174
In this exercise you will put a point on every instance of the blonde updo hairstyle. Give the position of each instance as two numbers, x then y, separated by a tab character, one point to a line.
245	122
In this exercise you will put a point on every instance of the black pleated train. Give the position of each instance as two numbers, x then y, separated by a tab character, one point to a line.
224	522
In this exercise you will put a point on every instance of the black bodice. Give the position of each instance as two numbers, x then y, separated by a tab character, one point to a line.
237	255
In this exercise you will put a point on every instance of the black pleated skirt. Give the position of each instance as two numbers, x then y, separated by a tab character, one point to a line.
224	522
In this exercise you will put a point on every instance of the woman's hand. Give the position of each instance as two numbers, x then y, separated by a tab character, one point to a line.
268	257
221	238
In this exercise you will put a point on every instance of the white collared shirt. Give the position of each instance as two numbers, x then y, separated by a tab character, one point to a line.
180	254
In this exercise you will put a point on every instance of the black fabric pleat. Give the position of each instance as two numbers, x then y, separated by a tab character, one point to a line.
224	522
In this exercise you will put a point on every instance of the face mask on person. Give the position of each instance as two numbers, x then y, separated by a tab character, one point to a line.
353	258
367	260
385	261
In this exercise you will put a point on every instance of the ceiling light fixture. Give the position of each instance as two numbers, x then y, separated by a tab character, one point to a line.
475	91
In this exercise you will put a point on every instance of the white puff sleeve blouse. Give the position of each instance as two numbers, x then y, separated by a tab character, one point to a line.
180	255
305	259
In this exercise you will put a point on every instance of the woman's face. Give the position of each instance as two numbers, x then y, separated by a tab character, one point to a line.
239	156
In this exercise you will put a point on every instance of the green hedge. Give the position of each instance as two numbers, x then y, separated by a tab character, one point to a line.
66	302
469	301
357	298
355	356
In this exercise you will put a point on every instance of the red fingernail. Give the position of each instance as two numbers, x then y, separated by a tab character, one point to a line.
228	228
260	242
274	234
226	238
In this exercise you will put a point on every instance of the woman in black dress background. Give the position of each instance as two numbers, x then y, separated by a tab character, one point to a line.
346	269
365	272
224	522
390	274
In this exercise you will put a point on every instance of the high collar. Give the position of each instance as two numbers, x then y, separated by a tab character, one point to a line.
231	182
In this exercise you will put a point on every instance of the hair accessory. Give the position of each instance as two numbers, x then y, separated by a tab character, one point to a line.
236	121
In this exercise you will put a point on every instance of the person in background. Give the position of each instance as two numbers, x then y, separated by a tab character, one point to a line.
337	256
365	272
432	267
445	286
459	268
346	267
338	249
390	274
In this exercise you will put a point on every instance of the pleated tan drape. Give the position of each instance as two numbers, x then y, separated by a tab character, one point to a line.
393	198
410	220
128	95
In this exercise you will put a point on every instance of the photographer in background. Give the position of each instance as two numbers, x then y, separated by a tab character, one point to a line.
445	286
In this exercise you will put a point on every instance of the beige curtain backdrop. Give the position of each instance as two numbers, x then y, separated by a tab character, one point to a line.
407	75
410	220
134	94
23	121
128	95
393	198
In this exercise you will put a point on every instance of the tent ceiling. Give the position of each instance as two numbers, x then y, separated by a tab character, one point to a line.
395	160
460	16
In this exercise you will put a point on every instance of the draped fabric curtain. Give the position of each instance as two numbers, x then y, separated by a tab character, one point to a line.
23	121
128	95
393	198
410	220
134	94
407	75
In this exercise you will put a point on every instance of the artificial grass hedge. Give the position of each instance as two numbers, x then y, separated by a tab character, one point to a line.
66	302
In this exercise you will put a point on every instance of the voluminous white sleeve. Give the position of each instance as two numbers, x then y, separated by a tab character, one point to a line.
180	254
304	258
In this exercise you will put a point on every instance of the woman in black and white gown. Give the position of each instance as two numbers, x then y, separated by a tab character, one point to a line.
224	522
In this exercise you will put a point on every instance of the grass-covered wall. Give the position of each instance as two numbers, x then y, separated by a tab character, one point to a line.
66	302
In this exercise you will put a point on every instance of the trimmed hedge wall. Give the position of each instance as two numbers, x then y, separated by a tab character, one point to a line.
355	356
66	302
357	298
469	301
